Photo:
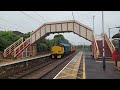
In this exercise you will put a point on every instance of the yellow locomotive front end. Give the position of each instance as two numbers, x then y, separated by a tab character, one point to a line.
57	51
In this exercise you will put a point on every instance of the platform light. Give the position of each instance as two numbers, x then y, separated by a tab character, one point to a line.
103	44
93	24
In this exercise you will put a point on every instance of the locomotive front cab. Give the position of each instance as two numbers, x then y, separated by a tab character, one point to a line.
57	51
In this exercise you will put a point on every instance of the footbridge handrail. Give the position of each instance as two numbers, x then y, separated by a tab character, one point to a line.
110	44
18	50
96	50
11	48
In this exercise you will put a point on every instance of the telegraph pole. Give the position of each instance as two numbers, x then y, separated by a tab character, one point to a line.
104	64
109	32
93	25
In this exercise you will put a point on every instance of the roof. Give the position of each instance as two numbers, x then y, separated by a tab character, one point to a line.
65	44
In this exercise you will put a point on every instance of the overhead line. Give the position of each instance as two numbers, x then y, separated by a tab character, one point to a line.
5	28
10	22
39	16
30	17
8	27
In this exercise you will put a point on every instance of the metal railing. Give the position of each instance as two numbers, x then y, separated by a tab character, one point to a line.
110	44
96	49
11	48
22	47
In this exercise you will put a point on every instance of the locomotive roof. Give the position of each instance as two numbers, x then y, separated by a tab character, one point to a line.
65	44
62	44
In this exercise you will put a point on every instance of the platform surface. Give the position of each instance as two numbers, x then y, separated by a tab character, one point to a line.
10	61
71	69
94	69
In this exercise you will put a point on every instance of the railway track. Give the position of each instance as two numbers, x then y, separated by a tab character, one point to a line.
14	73
56	70
29	71
39	71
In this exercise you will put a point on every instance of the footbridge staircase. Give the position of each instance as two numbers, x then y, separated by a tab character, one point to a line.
97	47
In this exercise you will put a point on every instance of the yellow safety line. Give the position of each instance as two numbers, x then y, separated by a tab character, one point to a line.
62	77
84	74
68	73
79	77
71	69
73	75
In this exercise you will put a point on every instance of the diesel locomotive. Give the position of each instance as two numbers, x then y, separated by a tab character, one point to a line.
59	51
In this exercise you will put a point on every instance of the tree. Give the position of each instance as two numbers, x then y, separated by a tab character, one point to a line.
45	44
7	38
26	35
60	39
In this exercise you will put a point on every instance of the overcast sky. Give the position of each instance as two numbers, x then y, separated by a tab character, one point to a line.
17	21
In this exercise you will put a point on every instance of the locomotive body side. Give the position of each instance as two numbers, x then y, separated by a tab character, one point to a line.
67	49
73	49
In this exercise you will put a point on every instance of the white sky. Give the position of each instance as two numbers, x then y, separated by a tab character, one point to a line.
20	22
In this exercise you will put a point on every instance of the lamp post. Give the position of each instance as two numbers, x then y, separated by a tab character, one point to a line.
104	63
93	24
109	32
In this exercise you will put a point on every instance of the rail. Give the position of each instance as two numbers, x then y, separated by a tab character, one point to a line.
11	48
110	44
96	50
19	49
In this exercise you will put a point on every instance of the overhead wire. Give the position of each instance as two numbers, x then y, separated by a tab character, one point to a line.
5	28
8	27
11	22
30	17
40	16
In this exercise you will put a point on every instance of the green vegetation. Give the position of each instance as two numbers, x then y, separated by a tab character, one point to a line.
45	45
115	43
26	35
86	48
9	37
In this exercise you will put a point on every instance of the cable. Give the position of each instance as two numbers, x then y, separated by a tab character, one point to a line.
39	15
30	16
8	27
10	22
3	19
5	28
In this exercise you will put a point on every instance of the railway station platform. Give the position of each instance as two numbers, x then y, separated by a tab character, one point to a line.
70	71
94	69
84	66
10	61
